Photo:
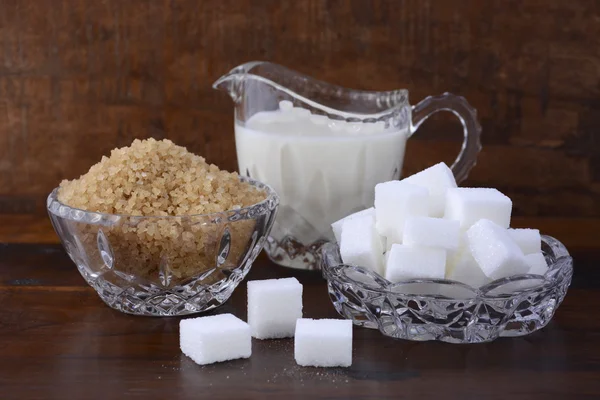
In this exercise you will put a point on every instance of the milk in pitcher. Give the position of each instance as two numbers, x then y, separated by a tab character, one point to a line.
322	169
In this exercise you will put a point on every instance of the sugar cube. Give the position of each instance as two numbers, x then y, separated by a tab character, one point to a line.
274	305
431	232
415	262
469	205
389	243
462	267
528	240
385	244
387	256
437	179
495	251
323	342
537	264
207	340
337	225
394	202
361	245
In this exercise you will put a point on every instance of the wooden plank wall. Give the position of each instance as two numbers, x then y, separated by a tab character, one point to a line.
80	77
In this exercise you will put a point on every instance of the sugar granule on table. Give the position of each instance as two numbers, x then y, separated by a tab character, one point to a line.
159	178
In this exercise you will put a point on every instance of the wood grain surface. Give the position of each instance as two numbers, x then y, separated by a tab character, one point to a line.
80	77
59	341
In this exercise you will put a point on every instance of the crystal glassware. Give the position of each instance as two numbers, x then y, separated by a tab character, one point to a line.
323	148
445	310
164	266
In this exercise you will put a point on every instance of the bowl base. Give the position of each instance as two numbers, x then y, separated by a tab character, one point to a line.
147	299
290	252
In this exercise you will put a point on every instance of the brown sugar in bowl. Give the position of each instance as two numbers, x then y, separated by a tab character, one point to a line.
158	231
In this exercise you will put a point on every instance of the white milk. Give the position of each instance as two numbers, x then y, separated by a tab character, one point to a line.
322	169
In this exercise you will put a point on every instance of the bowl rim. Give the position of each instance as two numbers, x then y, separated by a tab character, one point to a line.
271	197
559	253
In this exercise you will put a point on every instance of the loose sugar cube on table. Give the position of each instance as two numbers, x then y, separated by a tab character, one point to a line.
394	202
323	342
431	232
337	225
495	251
437	179
361	245
274	305
529	240
207	340
537	264
469	205
414	262
462	267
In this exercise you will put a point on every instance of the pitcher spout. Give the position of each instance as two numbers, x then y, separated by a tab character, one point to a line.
232	82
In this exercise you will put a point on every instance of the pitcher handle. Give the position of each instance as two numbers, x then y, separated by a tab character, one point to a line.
467	115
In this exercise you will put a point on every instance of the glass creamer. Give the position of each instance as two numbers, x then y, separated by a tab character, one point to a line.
323	148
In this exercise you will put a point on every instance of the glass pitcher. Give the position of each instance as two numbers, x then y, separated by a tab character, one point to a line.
323	148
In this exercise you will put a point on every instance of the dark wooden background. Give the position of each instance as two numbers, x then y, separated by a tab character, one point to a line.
80	77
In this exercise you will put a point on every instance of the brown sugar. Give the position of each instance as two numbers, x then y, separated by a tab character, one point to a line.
151	179
157	178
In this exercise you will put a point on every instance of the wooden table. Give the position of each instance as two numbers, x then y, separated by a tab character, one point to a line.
58	340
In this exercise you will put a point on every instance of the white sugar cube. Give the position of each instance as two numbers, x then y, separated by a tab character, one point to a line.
495	251
361	245
537	264
207	340
389	243
274	305
337	225
323	342
412	262
437	179
385	244
394	202
528	240
431	232
462	267
469	205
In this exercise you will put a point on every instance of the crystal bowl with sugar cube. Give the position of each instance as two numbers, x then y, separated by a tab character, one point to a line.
446	310
164	266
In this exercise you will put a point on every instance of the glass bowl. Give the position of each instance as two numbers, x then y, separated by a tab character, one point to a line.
164	266
445	310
